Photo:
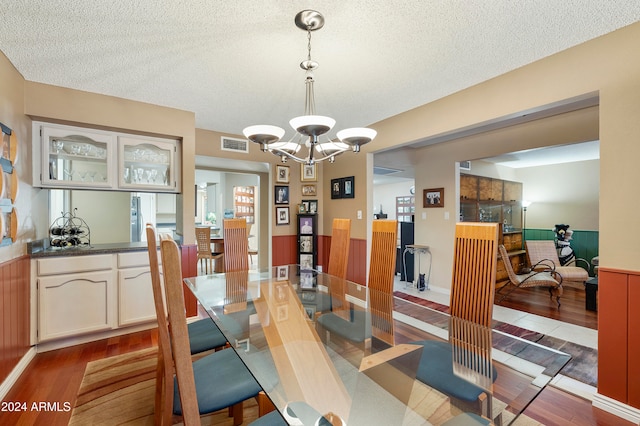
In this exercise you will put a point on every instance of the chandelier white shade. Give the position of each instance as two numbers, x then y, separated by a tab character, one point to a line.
309	127
263	133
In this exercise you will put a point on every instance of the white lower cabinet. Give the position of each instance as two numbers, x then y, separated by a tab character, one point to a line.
135	293
81	295
74	304
135	296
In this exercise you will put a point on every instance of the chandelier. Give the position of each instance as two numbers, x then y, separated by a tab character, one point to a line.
309	127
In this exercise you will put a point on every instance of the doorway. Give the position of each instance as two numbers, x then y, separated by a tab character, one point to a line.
235	189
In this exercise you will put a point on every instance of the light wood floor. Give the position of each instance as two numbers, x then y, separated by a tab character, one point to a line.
56	376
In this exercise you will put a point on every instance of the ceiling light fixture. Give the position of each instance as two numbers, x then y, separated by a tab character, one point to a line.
309	127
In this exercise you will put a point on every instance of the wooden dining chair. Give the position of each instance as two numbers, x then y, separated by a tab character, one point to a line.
204	335
236	245
203	240
339	251
356	326
535	278
211	383
471	303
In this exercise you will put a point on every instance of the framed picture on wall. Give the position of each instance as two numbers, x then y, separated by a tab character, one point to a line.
433	197
348	187
308	172
281	194
282	215
282	174
312	206
308	190
336	191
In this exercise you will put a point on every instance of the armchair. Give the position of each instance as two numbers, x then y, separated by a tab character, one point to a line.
542	255
535	278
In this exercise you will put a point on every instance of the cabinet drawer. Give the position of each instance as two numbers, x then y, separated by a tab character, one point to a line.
74	264
135	259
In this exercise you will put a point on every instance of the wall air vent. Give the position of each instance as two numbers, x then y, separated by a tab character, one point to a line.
235	145
465	165
377	170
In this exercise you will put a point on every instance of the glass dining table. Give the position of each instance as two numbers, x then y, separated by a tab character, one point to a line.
329	351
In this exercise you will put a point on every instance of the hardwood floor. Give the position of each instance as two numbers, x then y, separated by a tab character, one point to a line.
536	301
56	376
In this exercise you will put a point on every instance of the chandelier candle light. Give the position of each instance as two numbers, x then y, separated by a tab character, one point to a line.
309	127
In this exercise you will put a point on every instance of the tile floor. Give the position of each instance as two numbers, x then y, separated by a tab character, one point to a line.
569	332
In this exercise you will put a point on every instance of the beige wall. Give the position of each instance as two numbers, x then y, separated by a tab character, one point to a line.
31	205
57	104
606	66
562	193
385	195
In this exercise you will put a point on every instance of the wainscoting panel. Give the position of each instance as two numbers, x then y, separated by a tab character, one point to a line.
284	250
619	335
14	313
634	340
357	267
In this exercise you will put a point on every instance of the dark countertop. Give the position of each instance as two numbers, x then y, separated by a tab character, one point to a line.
39	249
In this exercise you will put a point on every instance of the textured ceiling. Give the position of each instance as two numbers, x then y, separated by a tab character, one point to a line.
235	63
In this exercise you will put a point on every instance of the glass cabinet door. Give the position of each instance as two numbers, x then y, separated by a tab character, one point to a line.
147	164
489	212
74	158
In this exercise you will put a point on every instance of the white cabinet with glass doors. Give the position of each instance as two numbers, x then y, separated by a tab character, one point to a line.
74	158
147	164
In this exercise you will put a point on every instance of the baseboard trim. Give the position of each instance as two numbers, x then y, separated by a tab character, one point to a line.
51	345
13	377
616	408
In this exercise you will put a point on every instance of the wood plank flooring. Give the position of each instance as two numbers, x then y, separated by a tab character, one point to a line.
536	301
56	376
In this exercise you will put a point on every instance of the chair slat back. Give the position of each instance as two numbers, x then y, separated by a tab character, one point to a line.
236	245
381	308
471	346
178	331
203	239
164	379
474	271
339	254
382	266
